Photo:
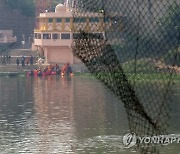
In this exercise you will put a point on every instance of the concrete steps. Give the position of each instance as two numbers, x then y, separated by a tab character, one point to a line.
19	53
24	52
14	68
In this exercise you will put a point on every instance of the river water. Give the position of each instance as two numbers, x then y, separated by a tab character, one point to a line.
66	115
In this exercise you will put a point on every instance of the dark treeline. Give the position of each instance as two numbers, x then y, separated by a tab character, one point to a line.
27	7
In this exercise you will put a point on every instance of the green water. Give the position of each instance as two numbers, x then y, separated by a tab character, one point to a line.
66	115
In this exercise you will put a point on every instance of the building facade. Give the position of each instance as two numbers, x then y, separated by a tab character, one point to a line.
56	31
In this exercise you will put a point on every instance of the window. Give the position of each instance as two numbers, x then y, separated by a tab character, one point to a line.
46	36
79	20
38	36
59	20
75	20
35	35
50	20
106	19
90	35
95	19
98	35
65	36
76	36
55	36
67	19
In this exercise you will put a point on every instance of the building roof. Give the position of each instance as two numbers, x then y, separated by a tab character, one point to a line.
60	11
60	8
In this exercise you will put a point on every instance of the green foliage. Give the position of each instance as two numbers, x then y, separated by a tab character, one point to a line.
162	40
142	65
172	57
6	46
171	23
3	48
27	7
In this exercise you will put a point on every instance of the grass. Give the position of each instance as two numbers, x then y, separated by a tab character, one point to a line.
140	77
146	71
142	65
154	77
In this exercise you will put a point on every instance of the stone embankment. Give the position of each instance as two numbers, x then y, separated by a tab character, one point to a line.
14	54
12	67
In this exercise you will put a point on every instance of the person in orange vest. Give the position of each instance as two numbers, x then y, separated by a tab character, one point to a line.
63	70
35	72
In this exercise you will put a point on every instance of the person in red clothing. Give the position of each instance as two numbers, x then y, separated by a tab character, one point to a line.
66	70
27	60
35	72
63	70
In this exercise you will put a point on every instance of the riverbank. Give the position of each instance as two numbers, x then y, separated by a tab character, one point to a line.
81	70
142	77
13	69
18	53
148	70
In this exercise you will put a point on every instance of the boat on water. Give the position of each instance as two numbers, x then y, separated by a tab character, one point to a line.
48	73
66	70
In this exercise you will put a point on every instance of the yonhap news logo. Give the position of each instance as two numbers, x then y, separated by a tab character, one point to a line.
131	139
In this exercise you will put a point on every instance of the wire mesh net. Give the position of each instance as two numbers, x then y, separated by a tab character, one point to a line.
132	46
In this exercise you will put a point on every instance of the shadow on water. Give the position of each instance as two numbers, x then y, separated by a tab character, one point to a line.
64	115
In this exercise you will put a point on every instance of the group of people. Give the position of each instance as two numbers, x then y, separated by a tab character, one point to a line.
25	60
6	59
52	70
66	69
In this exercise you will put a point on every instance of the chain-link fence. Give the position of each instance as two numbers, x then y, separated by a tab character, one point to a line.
132	46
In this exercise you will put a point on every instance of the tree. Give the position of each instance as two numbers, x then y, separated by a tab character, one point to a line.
27	7
171	27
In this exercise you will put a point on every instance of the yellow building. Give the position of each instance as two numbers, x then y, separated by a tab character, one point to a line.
56	31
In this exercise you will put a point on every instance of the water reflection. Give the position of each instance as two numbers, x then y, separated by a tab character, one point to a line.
54	114
63	115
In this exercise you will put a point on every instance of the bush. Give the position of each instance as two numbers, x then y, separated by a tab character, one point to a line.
142	66
172	57
169	27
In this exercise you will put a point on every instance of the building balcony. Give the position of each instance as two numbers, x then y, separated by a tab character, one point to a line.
52	42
